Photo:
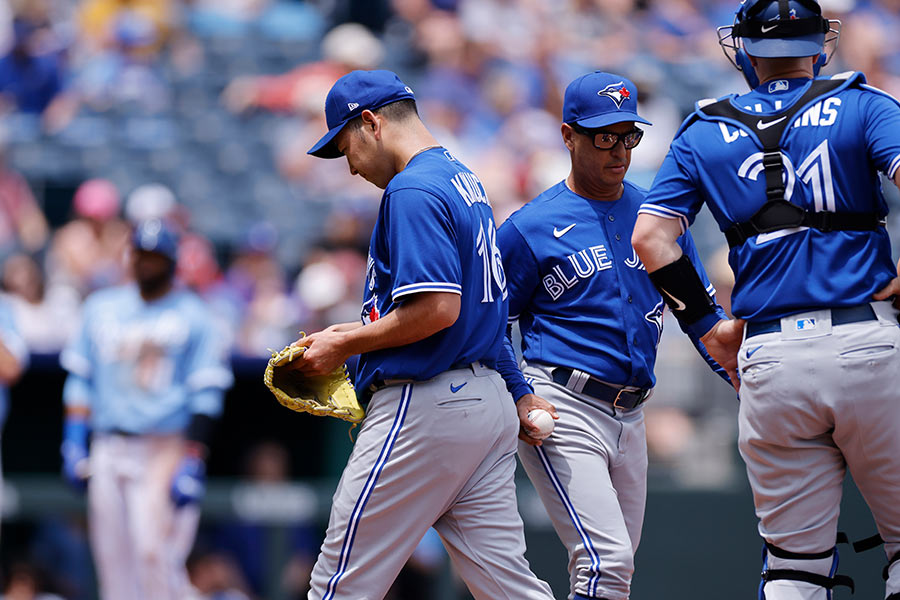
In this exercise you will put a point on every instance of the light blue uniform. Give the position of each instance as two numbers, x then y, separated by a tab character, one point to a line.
820	362
15	344
12	339
584	303
438	442
142	369
145	367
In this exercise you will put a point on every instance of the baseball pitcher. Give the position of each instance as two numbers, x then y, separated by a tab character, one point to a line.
437	445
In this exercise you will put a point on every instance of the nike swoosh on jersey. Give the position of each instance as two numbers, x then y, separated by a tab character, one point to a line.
456	388
761	125
558	233
751	352
679	305
768	29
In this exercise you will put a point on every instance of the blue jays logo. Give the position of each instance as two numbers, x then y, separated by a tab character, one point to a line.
655	316
617	92
370	312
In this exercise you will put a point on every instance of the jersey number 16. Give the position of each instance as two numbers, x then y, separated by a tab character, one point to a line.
491	261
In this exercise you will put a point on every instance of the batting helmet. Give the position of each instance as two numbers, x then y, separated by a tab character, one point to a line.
775	29
155	236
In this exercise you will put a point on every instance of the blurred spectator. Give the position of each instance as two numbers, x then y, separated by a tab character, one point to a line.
140	25
270	314
346	47
328	285
46	318
29	81
89	252
199	270
149	201
22	223
215	576
25	583
116	62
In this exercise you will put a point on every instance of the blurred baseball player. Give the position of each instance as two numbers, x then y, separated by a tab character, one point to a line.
146	377
790	172
437	446
590	320
13	361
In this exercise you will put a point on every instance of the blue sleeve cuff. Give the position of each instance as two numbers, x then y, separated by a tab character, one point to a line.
519	389
701	327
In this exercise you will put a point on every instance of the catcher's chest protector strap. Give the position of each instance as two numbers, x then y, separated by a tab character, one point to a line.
815	578
778	213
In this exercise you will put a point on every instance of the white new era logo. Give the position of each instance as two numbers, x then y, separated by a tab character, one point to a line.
352	105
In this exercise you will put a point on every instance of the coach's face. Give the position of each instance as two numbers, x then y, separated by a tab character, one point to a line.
605	168
364	148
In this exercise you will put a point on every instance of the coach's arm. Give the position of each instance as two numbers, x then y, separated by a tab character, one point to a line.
655	240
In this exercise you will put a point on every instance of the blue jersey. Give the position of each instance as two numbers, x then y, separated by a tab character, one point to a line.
12	340
145	367
833	152
582	297
435	233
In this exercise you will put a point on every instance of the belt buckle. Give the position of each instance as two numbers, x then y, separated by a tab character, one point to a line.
616	401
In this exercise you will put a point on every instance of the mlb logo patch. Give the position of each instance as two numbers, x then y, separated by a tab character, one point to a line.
805	324
779	86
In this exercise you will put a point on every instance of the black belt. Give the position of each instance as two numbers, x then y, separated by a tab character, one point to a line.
839	316
380	384
619	397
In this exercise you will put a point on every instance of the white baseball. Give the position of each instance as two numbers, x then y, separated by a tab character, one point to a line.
544	422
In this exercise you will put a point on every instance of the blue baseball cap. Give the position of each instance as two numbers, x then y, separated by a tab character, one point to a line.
350	95
599	99
154	235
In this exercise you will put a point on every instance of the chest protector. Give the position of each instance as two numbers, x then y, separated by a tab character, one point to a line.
778	213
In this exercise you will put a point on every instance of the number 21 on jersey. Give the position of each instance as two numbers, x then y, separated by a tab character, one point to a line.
814	171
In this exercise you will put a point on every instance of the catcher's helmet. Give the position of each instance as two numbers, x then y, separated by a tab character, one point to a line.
154	235
775	29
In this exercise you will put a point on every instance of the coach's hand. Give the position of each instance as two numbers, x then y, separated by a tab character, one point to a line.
525	405
723	342
74	451
189	482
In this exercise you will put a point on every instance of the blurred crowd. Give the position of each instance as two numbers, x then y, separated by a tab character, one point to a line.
201	111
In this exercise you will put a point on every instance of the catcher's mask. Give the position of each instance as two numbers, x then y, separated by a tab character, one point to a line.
775	29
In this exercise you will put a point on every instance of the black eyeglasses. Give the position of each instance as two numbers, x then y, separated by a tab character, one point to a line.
607	140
